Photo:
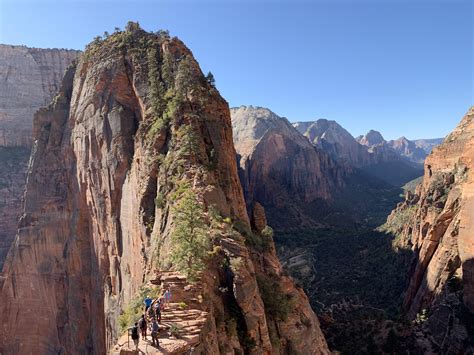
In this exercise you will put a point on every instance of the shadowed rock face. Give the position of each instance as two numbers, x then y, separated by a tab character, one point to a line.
29	78
436	223
134	121
280	169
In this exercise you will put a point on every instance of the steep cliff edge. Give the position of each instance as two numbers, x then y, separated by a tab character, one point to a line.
435	222
29	78
135	130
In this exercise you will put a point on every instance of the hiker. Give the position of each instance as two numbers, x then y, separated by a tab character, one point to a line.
167	295
147	302
142	325
135	336
157	309
154	332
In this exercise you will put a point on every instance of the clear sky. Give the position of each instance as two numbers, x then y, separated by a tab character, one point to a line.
403	67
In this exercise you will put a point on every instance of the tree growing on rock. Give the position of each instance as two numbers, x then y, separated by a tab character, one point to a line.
190	239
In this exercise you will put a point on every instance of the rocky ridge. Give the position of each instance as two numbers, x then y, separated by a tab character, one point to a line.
134	127
370	153
435	223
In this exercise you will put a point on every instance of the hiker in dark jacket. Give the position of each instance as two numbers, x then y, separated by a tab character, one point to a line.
154	332
135	336
142	324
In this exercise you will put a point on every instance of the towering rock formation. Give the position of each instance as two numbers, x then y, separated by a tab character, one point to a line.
389	164
280	169
408	149
436	223
332	138
136	127
29	78
370	152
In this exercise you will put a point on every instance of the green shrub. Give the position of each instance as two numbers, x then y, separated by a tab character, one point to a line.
278	305
132	312
175	330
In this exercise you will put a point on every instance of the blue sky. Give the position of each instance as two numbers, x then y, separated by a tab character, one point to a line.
401	67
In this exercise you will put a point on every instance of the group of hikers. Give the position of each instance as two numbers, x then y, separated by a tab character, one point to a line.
150	319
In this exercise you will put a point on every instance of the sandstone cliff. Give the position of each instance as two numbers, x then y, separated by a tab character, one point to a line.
29	78
134	127
436	224
280	169
334	139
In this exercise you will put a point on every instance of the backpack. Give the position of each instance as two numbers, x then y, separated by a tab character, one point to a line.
134	333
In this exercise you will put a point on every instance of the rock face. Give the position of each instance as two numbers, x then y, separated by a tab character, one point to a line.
280	169
134	125
29	78
436	224
395	166
370	153
428	144
409	149
332	138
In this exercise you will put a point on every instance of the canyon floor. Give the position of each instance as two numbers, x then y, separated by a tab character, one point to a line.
353	276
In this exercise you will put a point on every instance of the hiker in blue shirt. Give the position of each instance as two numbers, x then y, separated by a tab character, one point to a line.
147	302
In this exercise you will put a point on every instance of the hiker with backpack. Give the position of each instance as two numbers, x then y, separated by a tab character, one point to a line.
142	324
135	336
154	332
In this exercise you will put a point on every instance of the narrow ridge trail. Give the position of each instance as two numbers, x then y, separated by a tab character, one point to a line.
184	312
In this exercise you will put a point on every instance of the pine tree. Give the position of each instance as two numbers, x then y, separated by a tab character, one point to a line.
210	79
190	239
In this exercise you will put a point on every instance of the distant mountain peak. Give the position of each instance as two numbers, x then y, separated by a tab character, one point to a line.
372	138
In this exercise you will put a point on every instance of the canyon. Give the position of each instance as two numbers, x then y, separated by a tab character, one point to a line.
135	130
309	243
30	78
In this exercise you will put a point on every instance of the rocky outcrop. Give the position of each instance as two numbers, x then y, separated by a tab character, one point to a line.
280	169
436	224
29	78
135	127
